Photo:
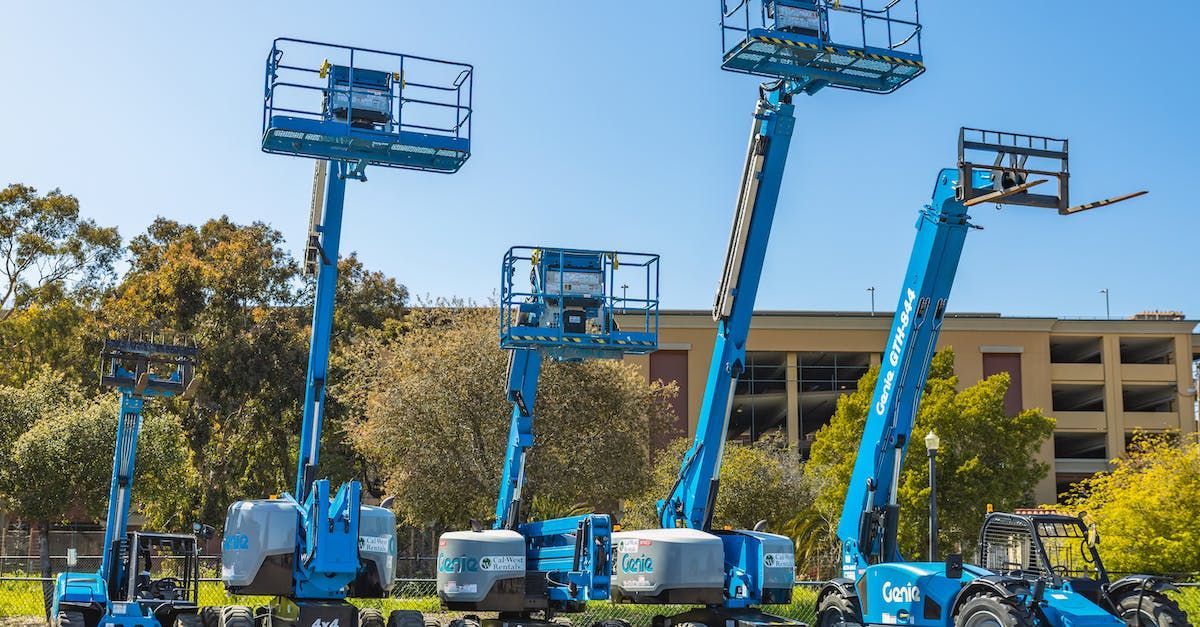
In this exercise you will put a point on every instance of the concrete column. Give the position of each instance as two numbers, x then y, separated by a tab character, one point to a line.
1114	412
793	402
1186	400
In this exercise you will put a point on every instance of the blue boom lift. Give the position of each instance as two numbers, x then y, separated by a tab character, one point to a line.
124	591
568	313
347	108
730	572
878	585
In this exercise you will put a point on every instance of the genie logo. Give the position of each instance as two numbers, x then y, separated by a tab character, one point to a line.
900	594
460	564
235	542
893	357
639	564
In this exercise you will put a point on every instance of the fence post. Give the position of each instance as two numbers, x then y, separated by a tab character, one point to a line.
44	558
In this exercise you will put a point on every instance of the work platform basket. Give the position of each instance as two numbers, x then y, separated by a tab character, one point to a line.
877	47
327	101
579	304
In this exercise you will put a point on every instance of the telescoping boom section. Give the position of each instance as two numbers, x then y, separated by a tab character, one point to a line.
878	586
795	44
556	304
686	562
348	108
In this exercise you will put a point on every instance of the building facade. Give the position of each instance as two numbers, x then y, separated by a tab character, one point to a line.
1100	379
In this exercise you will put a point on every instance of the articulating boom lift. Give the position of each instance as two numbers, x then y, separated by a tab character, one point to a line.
123	591
313	549
878	586
567	314
730	572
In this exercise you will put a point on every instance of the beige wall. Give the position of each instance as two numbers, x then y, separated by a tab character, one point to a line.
971	337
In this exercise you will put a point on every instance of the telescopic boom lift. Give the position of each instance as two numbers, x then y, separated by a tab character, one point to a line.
730	572
347	108
878	586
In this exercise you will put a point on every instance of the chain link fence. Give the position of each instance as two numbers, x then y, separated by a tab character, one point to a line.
25	596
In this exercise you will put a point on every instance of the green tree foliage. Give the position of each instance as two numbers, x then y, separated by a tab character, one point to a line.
44	242
21	407
53	266
231	288
52	330
985	457
238	292
760	481
435	420
60	466
1148	506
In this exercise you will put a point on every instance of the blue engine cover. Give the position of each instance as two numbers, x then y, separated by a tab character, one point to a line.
920	593
81	588
898	593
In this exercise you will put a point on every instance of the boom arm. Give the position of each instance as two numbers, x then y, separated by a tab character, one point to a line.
524	368
129	366
121	487
867	528
328	545
690	501
868	524
329	234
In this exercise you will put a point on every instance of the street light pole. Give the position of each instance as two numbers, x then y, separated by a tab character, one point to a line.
872	291
1107	311
932	442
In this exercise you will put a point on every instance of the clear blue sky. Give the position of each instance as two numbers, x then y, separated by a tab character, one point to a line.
610	125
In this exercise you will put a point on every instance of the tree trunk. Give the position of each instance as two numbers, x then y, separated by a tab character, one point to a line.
44	558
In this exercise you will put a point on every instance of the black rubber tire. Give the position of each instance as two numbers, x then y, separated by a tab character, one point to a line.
210	616
403	618
991	610
835	610
68	618
612	622
188	620
260	614
236	616
371	617
1157	610
658	620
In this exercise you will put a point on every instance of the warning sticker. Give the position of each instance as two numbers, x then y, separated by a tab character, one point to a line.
502	562
641	583
452	587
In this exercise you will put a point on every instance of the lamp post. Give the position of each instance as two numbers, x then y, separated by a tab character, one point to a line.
932	442
1107	310
872	291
